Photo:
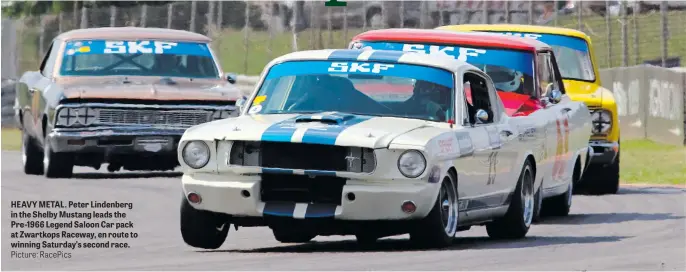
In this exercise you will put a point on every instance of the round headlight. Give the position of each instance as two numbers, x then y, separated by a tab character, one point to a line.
411	163
196	154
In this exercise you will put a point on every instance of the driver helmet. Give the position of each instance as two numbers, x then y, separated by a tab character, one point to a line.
506	80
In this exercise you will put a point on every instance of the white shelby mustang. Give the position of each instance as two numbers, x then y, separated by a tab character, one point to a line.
317	150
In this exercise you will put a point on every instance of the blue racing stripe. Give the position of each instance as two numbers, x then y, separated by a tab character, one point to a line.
280	132
345	54
320	210
284	209
320	173
328	135
390	56
278	171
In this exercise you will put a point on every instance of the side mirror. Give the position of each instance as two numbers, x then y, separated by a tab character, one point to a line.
240	103
481	116
554	96
231	78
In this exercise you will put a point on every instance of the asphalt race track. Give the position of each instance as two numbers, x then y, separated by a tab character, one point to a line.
639	229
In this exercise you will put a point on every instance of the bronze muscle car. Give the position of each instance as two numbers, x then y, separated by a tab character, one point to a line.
121	96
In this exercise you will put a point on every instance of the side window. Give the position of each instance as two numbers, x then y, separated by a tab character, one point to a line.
558	77
48	64
477	97
546	73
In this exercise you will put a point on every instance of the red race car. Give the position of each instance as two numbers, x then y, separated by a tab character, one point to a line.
513	63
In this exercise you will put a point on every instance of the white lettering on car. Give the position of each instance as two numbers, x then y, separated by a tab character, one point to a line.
463	52
120	47
357	67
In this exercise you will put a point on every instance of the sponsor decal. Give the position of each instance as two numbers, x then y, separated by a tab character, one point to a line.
551	39
255	109
258	100
513	59
358	67
562	146
411	71
136	47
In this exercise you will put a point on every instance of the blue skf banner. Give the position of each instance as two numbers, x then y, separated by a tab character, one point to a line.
516	60
296	68
136	47
552	39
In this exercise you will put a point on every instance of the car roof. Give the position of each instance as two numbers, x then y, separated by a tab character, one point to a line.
518	28
452	37
133	33
391	56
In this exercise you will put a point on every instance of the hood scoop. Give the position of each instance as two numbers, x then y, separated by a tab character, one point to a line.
331	119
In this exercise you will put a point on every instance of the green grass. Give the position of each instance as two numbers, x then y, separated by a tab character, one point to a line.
642	161
11	139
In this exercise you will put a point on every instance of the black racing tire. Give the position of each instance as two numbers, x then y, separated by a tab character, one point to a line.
203	229
605	180
57	165
366	239
516	222
438	228
284	235
560	205
31	155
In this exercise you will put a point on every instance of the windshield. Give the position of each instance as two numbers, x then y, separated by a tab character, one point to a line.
138	58
511	70
365	88
572	54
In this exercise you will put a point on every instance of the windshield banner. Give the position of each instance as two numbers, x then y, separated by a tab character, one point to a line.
297	68
551	39
516	60
136	47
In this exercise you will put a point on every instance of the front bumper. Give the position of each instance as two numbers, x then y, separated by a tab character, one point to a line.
119	140
604	152
239	195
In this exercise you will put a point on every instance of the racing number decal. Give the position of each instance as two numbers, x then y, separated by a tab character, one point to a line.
562	146
492	162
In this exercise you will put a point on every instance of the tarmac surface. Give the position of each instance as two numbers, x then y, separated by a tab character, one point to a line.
641	228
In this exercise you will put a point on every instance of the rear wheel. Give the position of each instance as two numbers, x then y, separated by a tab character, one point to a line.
202	229
560	205
438	228
516	222
31	155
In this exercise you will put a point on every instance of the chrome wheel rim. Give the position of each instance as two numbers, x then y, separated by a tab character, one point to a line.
46	155
448	202
527	196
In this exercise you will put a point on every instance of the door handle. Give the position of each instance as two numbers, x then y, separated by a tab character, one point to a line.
32	90
565	110
506	133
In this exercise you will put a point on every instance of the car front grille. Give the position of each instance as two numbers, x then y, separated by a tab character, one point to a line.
303	156
302	189
152	117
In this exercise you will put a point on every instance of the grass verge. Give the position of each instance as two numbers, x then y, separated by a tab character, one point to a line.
642	162
645	161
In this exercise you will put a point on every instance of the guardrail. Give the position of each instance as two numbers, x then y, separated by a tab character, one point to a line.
650	101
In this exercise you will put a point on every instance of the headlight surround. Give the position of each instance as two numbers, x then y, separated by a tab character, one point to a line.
412	163
196	154
602	121
72	116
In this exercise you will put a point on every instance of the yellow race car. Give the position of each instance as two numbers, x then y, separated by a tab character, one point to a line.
580	75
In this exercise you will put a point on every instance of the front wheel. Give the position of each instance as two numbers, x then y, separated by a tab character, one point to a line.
202	229
604	180
516	222
57	165
31	155
438	228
